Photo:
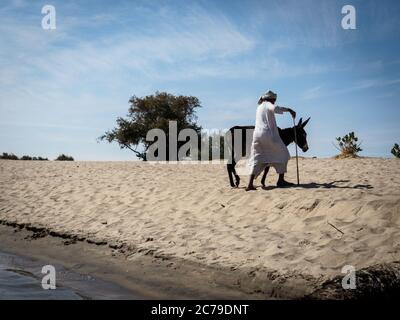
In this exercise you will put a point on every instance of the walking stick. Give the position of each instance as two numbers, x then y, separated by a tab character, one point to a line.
297	157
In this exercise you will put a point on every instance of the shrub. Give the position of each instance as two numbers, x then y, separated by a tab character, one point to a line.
7	156
396	150
12	156
63	157
33	158
348	145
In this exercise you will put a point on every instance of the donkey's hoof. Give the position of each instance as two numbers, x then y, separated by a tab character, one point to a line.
237	182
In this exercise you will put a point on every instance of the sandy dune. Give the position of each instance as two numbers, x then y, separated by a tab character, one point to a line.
191	212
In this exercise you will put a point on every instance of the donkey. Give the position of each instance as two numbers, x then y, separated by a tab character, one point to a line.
245	133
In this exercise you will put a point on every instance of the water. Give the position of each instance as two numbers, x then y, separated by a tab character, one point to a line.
20	279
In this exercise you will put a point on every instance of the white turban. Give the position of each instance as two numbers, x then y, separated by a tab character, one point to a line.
268	95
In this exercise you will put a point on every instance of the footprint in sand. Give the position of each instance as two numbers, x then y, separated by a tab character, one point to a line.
281	205
314	219
304	243
311	207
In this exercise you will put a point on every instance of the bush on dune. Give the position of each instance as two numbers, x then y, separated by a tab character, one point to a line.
396	150
33	158
348	146
63	157
11	156
6	156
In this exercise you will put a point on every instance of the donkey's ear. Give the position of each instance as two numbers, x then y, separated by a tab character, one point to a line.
305	122
300	122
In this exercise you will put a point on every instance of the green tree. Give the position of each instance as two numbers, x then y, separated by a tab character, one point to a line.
150	112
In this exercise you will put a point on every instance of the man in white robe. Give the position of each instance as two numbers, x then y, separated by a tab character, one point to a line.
267	148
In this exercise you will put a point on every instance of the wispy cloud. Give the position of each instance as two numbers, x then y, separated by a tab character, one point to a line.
307	23
171	50
312	93
319	92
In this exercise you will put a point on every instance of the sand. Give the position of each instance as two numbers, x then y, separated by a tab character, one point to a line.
345	212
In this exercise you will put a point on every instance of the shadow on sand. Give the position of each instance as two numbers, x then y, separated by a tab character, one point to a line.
328	185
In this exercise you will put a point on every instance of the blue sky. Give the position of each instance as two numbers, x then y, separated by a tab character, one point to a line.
61	89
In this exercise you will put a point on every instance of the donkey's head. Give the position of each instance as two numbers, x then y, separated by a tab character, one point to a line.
302	135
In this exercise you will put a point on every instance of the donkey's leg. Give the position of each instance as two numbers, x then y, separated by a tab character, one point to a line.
237	178
264	176
229	168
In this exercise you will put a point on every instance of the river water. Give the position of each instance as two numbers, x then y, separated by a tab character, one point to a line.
21	279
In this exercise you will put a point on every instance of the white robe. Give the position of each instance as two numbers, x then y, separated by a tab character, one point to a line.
267	147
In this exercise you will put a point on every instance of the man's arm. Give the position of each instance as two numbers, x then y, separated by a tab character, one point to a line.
281	110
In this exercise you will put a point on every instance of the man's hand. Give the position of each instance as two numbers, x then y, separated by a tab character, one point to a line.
292	112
